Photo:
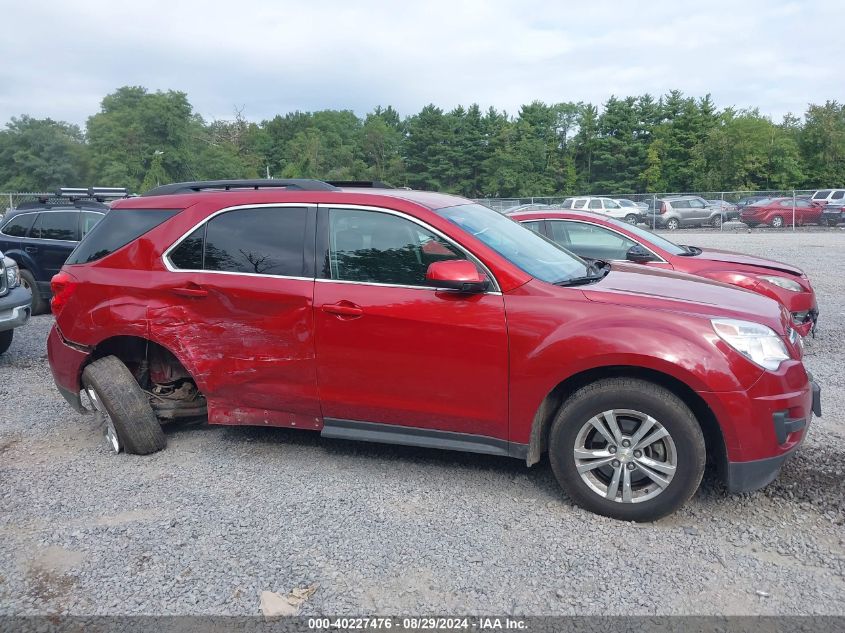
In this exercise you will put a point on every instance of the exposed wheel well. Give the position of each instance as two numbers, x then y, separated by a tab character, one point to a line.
142	356
539	442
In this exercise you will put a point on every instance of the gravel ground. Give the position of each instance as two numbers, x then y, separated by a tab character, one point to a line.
224	513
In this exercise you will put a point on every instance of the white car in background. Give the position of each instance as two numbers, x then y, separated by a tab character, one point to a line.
630	204
605	206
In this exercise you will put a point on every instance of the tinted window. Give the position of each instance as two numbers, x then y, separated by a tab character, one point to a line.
377	247
821	194
590	240
680	204
838	195
56	225
595	204
567	204
188	255
87	221
536	226
611	204
579	203
266	241
115	230
19	225
697	203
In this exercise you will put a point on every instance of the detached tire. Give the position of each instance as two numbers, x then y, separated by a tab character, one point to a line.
131	424
28	281
627	449
6	340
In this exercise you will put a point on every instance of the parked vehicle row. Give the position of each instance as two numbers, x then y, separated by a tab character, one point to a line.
420	318
595	238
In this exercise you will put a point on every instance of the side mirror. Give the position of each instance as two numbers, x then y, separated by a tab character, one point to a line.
639	254
456	274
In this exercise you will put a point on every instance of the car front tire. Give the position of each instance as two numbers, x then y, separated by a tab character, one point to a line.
627	449
777	222
130	424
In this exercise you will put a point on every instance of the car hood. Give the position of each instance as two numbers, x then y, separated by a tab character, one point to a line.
655	288
729	257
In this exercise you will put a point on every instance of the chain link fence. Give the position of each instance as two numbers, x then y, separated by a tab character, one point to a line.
11	199
730	201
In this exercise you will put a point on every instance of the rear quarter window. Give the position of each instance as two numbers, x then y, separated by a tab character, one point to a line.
116	230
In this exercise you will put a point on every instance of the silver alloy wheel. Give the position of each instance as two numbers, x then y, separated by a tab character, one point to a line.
110	431
777	222
625	456
672	224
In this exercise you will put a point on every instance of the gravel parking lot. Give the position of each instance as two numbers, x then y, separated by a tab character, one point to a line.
225	513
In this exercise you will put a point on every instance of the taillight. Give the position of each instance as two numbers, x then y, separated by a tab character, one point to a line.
663	208
63	286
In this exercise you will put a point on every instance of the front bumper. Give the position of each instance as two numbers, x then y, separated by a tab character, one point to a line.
15	308
746	476
831	217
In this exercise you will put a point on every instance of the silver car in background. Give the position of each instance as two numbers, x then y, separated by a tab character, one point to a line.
674	212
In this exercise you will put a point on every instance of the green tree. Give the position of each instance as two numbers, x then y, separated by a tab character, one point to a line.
42	155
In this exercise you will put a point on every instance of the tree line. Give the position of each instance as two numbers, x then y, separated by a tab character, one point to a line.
640	144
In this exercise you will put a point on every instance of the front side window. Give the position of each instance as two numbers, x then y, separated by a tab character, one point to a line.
19	225
590	240
375	247
56	225
838	194
262	241
611	204
697	203
536	255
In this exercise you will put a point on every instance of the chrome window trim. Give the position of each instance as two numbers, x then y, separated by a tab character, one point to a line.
496	290
660	260
165	256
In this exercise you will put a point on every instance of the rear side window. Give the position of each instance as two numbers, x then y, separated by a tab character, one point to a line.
19	225
821	194
838	194
56	225
116	230
87	221
264	241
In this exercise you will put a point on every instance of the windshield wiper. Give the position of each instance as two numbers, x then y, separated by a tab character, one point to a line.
597	271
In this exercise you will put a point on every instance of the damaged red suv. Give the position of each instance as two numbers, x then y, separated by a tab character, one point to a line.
419	318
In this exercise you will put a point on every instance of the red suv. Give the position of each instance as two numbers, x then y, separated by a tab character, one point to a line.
419	318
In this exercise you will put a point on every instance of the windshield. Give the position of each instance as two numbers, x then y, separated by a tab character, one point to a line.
626	203
654	238
539	257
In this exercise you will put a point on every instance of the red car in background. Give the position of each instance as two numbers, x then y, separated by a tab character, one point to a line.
599	238
777	212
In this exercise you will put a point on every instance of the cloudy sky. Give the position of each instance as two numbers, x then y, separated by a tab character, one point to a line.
58	59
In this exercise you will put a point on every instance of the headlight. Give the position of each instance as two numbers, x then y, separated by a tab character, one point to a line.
782	282
13	276
757	342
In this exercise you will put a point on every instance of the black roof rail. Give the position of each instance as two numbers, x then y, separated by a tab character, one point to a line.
361	184
300	184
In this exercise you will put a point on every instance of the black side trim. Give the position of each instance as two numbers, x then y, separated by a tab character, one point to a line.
817	398
72	398
749	476
427	438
